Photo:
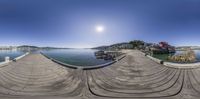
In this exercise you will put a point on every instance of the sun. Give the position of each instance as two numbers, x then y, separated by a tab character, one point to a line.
99	28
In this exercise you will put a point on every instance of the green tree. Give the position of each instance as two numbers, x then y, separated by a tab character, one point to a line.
138	44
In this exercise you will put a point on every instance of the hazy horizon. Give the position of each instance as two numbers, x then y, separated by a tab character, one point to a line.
92	23
91	47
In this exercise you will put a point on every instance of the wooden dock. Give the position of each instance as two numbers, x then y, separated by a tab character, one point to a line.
134	77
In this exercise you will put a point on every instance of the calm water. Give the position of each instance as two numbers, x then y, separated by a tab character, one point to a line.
80	57
11	53
165	56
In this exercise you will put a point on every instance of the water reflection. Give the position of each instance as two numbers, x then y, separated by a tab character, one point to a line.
10	53
80	57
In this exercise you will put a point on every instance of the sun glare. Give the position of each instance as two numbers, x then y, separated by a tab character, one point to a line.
99	29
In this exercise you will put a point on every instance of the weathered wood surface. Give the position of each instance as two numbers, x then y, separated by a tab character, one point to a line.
133	77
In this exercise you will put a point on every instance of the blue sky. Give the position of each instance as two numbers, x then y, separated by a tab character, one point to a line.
71	23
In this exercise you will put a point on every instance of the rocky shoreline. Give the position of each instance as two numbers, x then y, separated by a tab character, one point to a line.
187	56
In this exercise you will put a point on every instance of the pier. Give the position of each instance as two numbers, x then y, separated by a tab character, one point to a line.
135	76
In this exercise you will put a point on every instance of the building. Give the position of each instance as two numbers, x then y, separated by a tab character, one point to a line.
161	48
8	48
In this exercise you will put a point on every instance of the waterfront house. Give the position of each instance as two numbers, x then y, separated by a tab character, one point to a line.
160	48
